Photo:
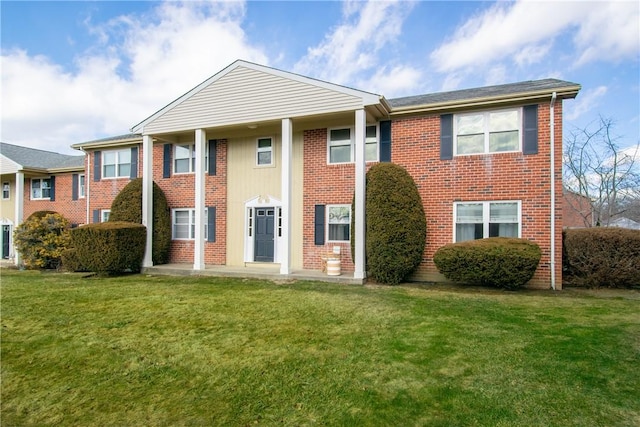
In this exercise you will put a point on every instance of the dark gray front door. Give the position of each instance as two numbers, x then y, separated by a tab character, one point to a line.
264	234
6	234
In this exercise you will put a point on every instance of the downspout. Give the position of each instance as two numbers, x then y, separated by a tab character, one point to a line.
553	191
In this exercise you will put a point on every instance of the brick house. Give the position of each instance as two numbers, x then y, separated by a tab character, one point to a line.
577	210
260	165
36	180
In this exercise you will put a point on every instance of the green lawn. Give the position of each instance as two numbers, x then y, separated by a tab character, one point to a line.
144	351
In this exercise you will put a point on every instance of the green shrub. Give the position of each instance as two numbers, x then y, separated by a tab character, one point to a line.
503	262
396	226
41	239
71	262
127	206
110	247
601	257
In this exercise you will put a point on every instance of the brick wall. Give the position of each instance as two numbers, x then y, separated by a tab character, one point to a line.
494	177
73	210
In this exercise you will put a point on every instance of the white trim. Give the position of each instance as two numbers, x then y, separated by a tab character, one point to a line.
366	97
360	189
199	197
82	184
486	130
104	212
8	183
485	215
249	238
147	197
283	230
116	164
328	208
19	211
352	143
262	150
31	180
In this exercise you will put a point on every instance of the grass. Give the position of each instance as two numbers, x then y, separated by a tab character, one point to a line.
139	350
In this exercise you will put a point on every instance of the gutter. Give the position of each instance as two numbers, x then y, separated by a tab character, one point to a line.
553	191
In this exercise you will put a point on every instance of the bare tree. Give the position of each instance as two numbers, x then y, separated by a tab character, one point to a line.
596	167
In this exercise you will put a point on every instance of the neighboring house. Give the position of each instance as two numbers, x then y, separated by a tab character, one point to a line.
625	223
35	180
577	210
259	167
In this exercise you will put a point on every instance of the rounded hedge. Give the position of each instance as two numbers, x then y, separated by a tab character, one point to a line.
110	247
41	239
396	226
601	257
127	206
502	262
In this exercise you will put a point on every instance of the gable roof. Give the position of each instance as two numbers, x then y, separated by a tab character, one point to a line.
126	139
34	159
245	92
521	91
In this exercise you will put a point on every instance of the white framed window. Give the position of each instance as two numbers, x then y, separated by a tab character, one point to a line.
488	132
183	224
339	223
341	145
40	188
6	191
104	215
81	190
116	163
479	220
264	151
184	158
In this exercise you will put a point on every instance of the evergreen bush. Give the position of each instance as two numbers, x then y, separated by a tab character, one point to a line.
110	247
503	262
127	206
601	257
41	239
396	226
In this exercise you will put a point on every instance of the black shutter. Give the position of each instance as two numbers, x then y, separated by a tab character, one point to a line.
385	141
213	150
74	186
530	129
211	224
446	137
96	216
97	165
166	161
52	191
134	163
318	225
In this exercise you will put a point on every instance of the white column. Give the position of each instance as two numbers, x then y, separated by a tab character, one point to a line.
147	197
360	134
18	214
198	249
287	143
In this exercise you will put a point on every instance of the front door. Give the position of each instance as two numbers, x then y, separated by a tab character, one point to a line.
6	234
264	235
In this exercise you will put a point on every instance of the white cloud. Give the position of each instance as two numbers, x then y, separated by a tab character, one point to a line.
400	80
352	50
140	64
588	100
523	33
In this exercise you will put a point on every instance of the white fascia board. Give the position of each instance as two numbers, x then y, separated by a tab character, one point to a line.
367	97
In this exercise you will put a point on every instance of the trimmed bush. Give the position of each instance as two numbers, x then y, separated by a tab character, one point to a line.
70	261
601	257
396	226
41	239
127	206
502	262
110	247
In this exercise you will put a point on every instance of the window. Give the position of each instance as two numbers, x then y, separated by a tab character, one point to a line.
487	132
117	163
264	152
104	215
184	224
40	188
184	158
81	185
478	220
341	145
6	190
339	223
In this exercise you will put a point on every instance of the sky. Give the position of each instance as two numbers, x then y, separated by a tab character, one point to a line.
73	72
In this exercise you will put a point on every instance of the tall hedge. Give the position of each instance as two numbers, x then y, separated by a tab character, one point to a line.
396	227
503	262
41	239
110	247
601	257
127	206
